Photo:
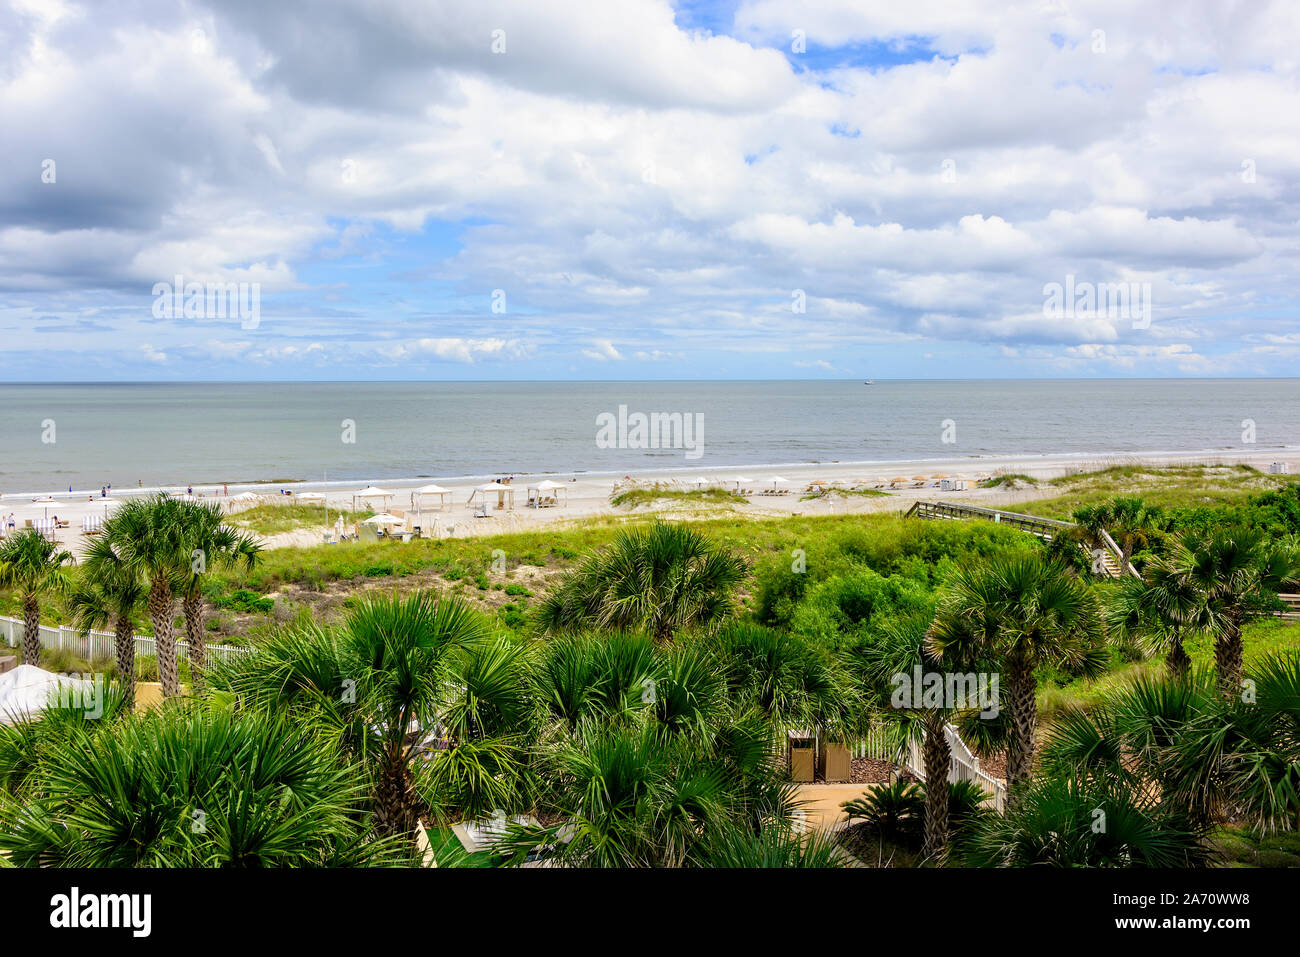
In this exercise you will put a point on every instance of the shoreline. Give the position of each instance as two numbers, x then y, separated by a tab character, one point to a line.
982	463
587	495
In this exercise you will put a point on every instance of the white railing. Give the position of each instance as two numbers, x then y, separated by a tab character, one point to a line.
879	745
963	766
99	645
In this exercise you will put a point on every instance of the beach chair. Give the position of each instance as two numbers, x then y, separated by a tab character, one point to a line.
481	511
92	524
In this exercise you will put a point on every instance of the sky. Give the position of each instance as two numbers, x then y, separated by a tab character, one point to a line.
637	189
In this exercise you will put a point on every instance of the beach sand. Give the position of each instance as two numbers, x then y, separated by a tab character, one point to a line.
589	495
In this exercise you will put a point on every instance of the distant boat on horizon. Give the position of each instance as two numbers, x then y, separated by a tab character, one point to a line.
869	382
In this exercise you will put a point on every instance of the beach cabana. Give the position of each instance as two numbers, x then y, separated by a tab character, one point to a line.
369	492
383	520
546	494
427	491
504	493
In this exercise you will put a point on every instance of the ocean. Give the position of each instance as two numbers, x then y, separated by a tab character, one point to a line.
86	435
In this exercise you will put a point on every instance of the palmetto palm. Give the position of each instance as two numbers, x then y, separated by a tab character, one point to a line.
148	537
660	578
1162	610
109	593
1065	822
1232	573
33	565
211	546
1023	612
897	651
1207	756
186	787
381	682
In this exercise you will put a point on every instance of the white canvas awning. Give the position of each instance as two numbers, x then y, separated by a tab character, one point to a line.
505	494
371	491
383	518
546	493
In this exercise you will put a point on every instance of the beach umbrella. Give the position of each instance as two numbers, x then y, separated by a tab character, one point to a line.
778	480
47	502
941	475
383	518
919	478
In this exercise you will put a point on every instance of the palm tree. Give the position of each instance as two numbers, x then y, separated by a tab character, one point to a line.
148	536
661	578
1064	822
382	682
1208	757
34	565
110	593
898	650
1023	612
185	787
212	545
1132	523
1162	609
1235	574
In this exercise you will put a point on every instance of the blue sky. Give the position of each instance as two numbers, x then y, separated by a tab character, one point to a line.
648	190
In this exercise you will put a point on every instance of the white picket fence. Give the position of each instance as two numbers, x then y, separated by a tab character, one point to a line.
98	645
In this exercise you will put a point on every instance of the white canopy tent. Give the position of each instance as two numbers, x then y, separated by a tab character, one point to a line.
546	494
369	492
505	494
417	501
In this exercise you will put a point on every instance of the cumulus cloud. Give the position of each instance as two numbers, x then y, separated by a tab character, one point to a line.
900	183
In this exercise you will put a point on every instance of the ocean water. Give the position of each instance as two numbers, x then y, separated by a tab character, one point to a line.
85	435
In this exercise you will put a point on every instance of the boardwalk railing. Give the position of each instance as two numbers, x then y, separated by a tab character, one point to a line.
964	766
879	744
1045	528
1034	524
98	645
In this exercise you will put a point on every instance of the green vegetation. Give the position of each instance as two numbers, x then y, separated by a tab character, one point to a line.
1011	479
276	518
657	494
627	707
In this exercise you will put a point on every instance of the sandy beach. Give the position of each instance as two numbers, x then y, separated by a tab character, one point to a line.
586	495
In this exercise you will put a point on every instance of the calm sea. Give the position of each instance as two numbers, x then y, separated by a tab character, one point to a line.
85	435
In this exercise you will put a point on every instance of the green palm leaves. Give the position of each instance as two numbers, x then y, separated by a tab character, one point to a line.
1023	612
660	579
33	565
187	787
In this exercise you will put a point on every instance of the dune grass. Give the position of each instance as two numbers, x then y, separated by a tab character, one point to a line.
273	518
1164	486
653	495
